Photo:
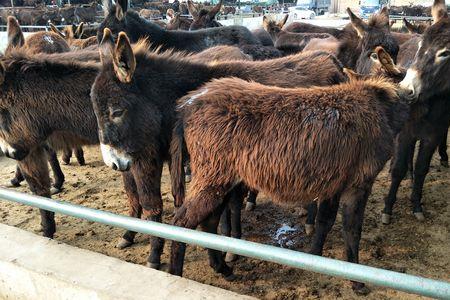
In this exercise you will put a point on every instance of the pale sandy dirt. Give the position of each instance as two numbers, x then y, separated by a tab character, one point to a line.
405	246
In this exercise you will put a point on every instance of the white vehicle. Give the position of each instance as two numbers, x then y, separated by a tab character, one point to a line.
301	12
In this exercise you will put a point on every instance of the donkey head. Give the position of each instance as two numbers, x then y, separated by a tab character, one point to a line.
273	27
116	98
373	34
205	18
114	17
428	75
15	35
414	29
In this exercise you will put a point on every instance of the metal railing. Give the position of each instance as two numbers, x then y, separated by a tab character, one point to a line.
357	272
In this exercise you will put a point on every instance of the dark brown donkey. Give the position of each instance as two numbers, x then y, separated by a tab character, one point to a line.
135	94
204	18
427	83
55	106
312	143
290	42
177	21
118	18
40	42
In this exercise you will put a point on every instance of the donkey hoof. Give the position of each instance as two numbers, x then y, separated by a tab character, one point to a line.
230	257
419	216
230	277
309	229
385	219
360	288
15	182
155	266
249	206
123	243
444	163
188	178
55	190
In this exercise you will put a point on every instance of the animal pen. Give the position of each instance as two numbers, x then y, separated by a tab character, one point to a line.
394	280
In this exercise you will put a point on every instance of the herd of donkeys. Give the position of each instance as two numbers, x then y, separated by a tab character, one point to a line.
307	115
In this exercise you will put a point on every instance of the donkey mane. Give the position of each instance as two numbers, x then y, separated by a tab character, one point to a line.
378	21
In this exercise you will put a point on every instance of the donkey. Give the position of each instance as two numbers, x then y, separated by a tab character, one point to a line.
204	18
135	112
176	21
415	28
425	83
289	42
118	18
40	42
73	38
305	131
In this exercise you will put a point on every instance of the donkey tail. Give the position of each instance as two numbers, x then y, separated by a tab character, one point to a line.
177	153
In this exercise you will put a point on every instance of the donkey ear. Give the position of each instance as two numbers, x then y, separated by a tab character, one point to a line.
283	21
387	62
124	60
352	75
79	30
266	22
107	5
215	10
68	32
359	25
121	9
192	9
439	10
56	30
106	47
409	26
15	35
2	72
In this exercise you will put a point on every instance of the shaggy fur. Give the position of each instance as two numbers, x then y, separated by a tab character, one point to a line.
142	88
295	145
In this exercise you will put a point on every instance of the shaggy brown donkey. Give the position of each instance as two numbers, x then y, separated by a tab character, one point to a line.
311	144
425	82
40	42
73	38
134	97
204	18
177	22
118	18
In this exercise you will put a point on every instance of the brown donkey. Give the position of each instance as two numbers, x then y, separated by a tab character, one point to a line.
312	143
204	18
426	82
73	37
134	97
40	42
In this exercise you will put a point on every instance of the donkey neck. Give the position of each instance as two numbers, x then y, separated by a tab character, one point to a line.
138	28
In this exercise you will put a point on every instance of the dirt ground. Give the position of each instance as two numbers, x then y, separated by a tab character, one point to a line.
405	246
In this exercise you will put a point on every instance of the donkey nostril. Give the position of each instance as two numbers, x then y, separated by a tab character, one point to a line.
114	166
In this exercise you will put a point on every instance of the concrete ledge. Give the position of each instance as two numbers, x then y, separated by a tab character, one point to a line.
33	267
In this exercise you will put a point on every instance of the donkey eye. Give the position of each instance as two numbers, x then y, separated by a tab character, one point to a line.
374	56
443	54
117	113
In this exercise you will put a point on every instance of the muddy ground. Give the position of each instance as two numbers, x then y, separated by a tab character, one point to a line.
404	246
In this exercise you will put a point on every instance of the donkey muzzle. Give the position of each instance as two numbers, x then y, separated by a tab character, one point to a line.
116	159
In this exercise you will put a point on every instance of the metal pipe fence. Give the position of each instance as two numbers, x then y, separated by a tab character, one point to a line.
357	272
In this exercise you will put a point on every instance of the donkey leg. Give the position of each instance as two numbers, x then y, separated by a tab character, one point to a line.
426	149
193	211
135	209
235	203
225	222
67	154
56	168
147	175
216	260
410	173
324	222
353	205
251	200
311	218
443	150
405	144
18	178
35	170
79	154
